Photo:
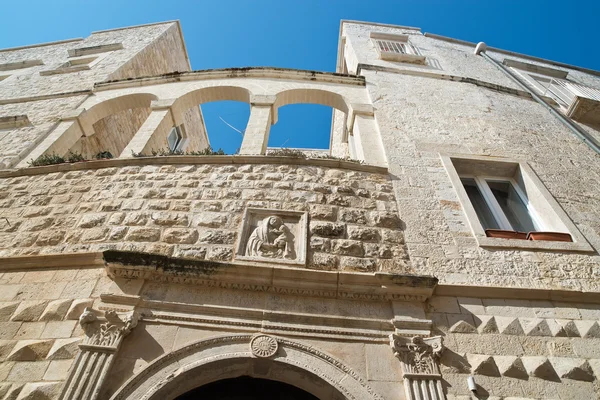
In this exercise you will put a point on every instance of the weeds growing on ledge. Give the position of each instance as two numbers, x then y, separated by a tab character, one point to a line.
71	157
165	153
296	153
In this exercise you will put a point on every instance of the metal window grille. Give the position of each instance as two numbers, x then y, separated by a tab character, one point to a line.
390	46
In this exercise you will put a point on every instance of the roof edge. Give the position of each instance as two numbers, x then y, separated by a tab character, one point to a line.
136	26
515	54
30	46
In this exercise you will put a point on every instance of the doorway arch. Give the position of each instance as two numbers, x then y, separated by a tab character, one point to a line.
226	357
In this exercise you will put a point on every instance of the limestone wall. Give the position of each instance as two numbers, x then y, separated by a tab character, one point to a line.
39	330
195	211
518	348
423	117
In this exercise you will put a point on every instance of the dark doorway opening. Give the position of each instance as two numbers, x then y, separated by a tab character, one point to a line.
247	388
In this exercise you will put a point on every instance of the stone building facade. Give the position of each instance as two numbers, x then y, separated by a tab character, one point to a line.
375	272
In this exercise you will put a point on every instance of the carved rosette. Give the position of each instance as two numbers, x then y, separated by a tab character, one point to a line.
263	346
419	359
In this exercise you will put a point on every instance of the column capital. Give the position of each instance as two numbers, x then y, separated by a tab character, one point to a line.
418	355
162	104
262	100
106	332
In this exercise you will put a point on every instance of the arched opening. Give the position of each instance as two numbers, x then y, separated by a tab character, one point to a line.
110	125
225	111
247	388
230	357
303	118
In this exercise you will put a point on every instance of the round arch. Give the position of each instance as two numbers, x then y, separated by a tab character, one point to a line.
226	357
311	96
208	94
113	106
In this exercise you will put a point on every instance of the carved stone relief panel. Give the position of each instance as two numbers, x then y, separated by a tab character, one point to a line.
273	236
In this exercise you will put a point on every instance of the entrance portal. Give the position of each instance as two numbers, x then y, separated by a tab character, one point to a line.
247	388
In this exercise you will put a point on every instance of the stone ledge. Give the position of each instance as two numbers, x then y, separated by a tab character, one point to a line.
191	160
68	260
517	293
297	281
246	72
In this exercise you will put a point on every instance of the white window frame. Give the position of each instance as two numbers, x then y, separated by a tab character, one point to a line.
546	208
496	209
408	52
180	144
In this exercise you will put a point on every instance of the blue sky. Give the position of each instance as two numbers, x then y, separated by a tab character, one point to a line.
303	34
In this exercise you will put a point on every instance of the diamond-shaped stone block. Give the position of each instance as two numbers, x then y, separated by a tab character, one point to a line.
463	327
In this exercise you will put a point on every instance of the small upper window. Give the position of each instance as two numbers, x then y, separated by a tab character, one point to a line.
396	48
20	65
103	48
175	139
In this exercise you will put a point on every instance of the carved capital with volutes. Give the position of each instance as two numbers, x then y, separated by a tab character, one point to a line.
105	332
419	356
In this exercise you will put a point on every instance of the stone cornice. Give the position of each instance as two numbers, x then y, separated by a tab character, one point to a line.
283	280
489	292
192	160
228	73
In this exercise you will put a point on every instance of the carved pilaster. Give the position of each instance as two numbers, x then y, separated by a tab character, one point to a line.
103	339
419	359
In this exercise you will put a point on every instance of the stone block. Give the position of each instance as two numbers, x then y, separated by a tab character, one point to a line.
323	261
357	264
143	235
30	330
381	363
58	329
352	216
77	308
7	309
29	310
327	229
30	350
218	253
58	370
180	236
347	247
363	234
64	349
169	219
40	391
92	220
384	219
8	330
322	212
444	304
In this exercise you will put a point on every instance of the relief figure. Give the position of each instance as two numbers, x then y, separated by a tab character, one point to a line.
272	239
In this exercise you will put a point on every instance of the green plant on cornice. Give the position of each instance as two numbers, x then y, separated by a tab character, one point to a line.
296	153
166	152
47	159
104	155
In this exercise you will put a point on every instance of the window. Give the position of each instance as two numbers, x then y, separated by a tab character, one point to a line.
396	48
175	139
507	206
501	204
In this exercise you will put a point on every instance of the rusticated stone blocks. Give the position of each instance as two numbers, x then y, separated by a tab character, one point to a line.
196	211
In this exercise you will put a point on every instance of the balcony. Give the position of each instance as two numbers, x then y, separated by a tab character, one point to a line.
582	103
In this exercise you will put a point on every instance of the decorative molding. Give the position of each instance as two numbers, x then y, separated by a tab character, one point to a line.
202	354
273	322
192	160
419	359
103	339
351	286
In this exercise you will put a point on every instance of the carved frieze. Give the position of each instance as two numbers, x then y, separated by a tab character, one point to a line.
273	236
